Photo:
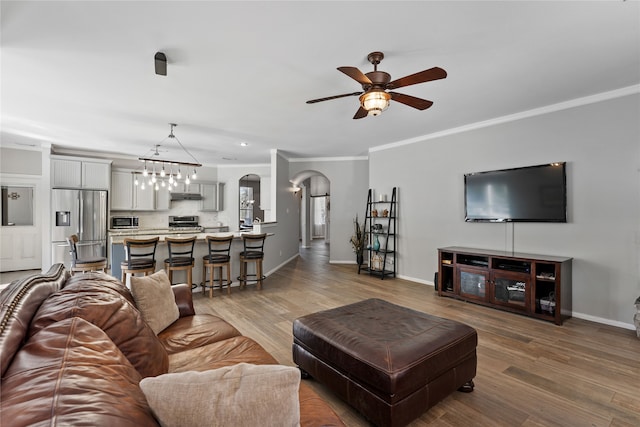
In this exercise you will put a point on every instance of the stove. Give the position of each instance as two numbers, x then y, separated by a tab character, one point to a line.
184	223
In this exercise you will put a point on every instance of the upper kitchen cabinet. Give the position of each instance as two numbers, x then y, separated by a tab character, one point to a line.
126	196
190	188
212	196
76	172
121	190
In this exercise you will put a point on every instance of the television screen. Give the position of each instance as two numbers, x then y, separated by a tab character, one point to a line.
528	194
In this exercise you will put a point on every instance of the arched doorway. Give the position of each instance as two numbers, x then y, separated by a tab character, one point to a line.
315	206
249	201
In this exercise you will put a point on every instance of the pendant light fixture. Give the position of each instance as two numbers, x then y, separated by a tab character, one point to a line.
169	171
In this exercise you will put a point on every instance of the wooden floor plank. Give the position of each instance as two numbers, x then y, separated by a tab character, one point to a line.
531	373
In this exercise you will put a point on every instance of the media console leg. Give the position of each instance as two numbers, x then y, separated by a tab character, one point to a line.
467	387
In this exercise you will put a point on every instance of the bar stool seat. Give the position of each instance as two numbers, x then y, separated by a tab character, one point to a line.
253	252
140	257
219	257
96	263
180	257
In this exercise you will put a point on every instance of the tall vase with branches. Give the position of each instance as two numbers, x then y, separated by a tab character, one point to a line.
357	240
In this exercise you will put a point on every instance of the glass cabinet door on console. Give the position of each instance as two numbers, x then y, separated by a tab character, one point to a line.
511	289
472	282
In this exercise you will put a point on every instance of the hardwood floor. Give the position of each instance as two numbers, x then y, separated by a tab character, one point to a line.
530	372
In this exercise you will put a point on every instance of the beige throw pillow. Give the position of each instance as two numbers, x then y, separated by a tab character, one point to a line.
238	395
155	300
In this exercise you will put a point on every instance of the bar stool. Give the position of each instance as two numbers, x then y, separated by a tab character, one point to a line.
180	257
98	263
140	255
253	252
219	257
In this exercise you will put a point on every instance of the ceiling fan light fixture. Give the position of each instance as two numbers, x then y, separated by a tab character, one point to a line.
375	101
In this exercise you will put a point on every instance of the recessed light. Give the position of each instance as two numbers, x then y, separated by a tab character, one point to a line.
244	144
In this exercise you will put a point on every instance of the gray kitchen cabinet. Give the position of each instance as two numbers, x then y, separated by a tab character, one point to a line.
73	172
126	196
212	196
121	190
163	199
143	199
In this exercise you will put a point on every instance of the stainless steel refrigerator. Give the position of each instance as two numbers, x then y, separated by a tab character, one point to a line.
83	213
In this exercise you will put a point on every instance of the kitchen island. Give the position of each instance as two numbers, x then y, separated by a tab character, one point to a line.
117	253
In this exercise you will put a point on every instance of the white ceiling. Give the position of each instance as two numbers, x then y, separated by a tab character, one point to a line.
81	74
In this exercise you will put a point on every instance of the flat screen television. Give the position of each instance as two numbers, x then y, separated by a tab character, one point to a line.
527	194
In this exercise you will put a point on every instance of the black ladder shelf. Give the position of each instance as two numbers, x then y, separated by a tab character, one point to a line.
377	226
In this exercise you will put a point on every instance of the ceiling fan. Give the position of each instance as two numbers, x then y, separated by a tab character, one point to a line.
377	88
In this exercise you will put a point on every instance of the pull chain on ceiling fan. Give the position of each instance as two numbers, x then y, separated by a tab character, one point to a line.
377	88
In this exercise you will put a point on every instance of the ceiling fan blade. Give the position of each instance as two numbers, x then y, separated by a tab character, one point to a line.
356	75
411	101
361	113
313	101
434	73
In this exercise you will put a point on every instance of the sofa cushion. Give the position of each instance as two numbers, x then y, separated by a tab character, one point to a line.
238	395
71	373
114	314
220	354
195	331
155	300
106	282
18	303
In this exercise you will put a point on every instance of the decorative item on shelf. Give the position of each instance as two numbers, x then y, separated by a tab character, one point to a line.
376	228
357	240
376	244
170	171
374	213
377	262
385	213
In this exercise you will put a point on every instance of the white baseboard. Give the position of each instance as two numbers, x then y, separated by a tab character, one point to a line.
604	321
273	270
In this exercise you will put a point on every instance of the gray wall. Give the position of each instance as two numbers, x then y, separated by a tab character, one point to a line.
600	143
348	181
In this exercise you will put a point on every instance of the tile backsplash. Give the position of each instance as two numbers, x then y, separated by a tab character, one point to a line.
183	207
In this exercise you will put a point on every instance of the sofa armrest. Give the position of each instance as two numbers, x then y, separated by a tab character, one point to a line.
184	299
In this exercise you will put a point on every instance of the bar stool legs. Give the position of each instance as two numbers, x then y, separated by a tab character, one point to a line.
219	256
253	252
245	276
211	268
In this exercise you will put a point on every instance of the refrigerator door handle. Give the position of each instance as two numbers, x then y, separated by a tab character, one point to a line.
81	225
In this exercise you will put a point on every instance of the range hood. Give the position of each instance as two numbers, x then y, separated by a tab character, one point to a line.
185	196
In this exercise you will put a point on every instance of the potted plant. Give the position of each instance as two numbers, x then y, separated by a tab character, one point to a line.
357	240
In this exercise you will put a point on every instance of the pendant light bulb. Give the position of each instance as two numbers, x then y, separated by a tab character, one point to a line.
179	175
162	172
187	180
193	175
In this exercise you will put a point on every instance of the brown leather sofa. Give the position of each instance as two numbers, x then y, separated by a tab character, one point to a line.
73	350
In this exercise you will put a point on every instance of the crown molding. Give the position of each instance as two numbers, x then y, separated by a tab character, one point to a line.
578	102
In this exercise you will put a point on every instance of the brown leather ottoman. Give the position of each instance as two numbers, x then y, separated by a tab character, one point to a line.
389	362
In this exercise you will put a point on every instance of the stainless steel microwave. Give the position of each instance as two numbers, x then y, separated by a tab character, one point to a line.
124	222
